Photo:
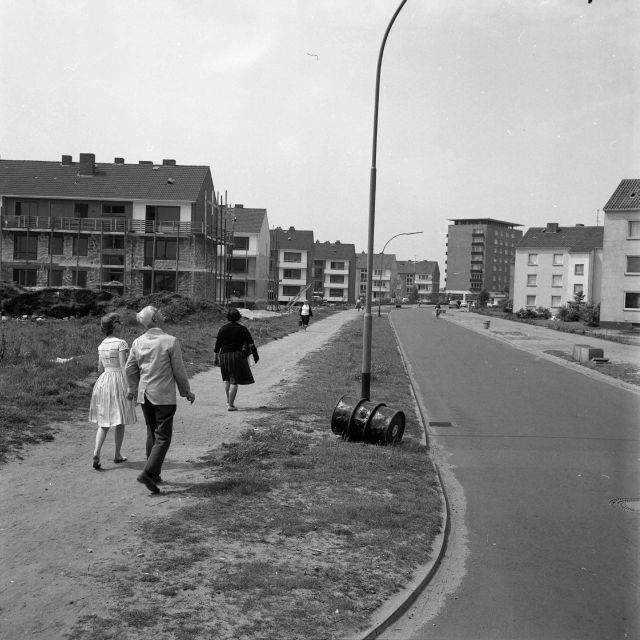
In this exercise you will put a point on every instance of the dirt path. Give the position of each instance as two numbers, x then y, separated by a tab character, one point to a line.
61	522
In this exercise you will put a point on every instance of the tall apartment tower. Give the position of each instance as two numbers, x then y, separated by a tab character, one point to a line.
480	254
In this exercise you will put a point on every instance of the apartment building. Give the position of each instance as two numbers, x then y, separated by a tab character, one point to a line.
291	266
249	260
480	252
553	264
334	271
419	277
131	229
385	282
620	305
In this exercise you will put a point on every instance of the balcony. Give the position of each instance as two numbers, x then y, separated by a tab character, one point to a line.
105	225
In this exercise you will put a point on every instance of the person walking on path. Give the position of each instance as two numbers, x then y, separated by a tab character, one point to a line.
109	406
305	314
154	368
233	346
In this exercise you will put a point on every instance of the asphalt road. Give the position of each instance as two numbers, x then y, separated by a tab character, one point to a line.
538	461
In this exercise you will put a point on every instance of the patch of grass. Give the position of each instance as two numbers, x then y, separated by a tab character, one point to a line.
624	371
295	533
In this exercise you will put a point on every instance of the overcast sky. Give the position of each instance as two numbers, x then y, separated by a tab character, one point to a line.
524	111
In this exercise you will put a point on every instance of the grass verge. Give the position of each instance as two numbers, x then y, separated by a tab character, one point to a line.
293	533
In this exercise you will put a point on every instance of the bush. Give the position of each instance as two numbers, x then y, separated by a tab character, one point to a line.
542	312
591	314
525	313
569	312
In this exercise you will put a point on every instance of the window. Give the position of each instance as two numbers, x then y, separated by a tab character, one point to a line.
532	280
363	289
238	265
26	208
531	301
337	266
113	210
241	243
578	270
163	214
578	288
631	299
558	259
336	279
336	293
556	301
633	230
80	278
111	275
288	290
80	210
291	274
165	281
25	277
113	260
377	272
633	264
166	249
409	279
363	275
113	242
80	246
55	278
292	257
556	280
532	259
25	247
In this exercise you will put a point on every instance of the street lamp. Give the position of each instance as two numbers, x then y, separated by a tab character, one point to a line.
408	233
368	321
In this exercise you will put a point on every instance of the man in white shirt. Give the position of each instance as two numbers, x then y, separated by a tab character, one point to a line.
154	368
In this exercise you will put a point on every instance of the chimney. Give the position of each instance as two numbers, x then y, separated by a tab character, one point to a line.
66	161
87	164
579	225
168	163
552	227
118	161
145	162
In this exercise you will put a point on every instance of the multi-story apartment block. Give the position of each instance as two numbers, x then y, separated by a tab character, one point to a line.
249	261
291	265
131	229
384	282
553	264
480	252
421	277
620	305
334	271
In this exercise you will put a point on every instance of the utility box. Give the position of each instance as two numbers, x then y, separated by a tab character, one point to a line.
586	353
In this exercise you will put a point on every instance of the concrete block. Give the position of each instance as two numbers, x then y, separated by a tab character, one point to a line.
586	353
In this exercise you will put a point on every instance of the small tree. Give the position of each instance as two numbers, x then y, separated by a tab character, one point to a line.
483	298
579	296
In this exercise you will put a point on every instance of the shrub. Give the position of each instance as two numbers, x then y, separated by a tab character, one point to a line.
569	312
590	314
542	312
525	313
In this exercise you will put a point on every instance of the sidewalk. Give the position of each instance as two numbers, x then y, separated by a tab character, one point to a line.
538	340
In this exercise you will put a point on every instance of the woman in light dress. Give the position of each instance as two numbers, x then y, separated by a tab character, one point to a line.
109	405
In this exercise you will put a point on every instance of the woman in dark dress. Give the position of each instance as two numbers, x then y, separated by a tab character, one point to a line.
233	345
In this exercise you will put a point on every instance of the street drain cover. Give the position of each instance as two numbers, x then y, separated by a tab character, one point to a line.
626	504
440	424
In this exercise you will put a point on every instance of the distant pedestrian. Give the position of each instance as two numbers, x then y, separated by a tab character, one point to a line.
438	310
109	405
359	304
233	346
154	368
305	314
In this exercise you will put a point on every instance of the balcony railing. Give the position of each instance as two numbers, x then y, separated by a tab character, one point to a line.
106	225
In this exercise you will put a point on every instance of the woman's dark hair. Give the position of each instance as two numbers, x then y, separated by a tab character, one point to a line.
233	315
108	322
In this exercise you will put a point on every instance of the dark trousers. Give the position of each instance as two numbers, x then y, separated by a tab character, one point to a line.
159	419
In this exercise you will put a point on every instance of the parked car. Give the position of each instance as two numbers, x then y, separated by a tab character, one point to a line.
464	304
405	300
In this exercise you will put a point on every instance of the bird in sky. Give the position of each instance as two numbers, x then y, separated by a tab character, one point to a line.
313	55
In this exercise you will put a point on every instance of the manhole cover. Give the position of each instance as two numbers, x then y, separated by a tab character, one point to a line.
626	504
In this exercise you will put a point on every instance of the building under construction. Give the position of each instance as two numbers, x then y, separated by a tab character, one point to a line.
131	229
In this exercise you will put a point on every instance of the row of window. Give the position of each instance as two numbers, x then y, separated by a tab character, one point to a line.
631	299
556	279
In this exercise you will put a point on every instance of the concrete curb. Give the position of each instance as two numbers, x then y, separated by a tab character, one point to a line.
399	604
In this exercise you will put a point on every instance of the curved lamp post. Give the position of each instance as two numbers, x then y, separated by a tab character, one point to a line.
366	339
408	233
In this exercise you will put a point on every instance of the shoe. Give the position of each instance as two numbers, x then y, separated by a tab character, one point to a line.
232	408
156	479
120	460
148	482
96	463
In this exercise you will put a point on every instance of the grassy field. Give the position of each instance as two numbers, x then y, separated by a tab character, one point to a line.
293	532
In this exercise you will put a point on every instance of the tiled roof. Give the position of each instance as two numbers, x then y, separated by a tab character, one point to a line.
44	179
248	220
291	238
576	239
626	197
380	260
333	251
419	266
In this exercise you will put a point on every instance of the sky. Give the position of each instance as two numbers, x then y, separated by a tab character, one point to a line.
525	111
